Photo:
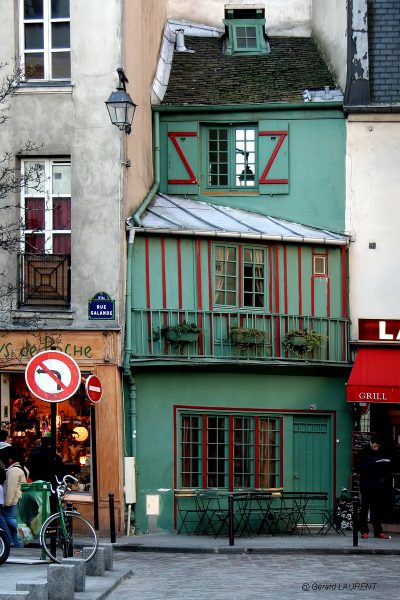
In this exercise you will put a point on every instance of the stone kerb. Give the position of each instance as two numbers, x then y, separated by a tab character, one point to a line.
108	556
79	572
96	565
38	590
15	595
61	582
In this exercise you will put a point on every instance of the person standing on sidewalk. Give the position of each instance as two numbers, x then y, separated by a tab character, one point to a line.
16	475
373	468
4	452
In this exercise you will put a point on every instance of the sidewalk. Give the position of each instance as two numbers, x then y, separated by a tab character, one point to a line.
24	565
332	543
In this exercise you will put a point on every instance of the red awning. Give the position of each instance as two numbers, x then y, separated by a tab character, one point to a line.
375	376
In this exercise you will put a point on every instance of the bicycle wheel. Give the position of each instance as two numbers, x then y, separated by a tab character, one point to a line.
4	547
59	543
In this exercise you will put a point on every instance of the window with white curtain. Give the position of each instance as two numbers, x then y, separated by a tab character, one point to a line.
239	276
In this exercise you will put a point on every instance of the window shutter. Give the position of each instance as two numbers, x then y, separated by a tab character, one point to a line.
273	157
183	160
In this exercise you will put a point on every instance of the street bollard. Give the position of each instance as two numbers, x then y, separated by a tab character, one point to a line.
231	520
356	513
112	517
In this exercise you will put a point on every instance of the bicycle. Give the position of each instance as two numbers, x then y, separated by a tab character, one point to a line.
57	532
4	547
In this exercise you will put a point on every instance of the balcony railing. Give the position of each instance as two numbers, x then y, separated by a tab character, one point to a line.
45	280
217	342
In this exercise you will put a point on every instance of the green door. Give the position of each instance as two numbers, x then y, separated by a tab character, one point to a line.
312	455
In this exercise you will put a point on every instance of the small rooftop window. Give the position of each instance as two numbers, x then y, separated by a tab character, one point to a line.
244	30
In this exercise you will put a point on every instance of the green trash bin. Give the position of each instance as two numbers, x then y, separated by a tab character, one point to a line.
33	509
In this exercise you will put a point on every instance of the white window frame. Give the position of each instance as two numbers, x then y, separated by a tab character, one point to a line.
320	272
48	230
47	50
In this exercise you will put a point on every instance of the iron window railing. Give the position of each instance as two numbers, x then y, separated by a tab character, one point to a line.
216	339
45	280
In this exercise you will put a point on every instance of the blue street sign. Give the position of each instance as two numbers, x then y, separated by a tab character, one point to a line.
101	307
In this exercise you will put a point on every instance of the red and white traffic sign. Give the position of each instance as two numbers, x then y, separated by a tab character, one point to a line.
93	389
52	376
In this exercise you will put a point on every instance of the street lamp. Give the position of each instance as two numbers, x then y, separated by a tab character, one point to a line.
120	105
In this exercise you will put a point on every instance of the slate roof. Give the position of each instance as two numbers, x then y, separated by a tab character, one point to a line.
209	77
172	215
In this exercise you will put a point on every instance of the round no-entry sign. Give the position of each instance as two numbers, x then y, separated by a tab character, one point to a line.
52	376
93	389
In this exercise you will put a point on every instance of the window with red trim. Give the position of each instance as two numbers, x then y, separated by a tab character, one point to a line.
237	451
239	276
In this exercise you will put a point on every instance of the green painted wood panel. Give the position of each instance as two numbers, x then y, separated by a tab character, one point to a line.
195	284
312	454
159	392
188	249
336	279
183	158
273	157
293	279
316	192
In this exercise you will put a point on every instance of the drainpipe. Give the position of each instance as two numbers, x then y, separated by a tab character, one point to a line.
131	224
128	340
156	183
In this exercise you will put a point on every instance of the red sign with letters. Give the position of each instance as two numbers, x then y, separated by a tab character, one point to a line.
379	330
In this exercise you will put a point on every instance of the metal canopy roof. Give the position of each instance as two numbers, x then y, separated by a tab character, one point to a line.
171	215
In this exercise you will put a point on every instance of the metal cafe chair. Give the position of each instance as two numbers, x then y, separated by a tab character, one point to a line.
285	518
190	512
266	499
313	505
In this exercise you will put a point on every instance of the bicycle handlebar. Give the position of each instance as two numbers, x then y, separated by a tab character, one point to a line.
63	484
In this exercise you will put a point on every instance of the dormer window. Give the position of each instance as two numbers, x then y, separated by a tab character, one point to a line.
245	31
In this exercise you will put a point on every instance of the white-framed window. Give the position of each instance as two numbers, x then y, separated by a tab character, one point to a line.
46	207
45	39
231	156
320	265
240	276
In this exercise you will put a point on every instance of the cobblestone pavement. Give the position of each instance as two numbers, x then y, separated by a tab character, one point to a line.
160	576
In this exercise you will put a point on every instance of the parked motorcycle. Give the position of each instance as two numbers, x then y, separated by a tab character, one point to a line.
4	547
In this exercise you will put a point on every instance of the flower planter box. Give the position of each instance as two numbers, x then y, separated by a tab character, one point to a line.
182	338
297	340
246	340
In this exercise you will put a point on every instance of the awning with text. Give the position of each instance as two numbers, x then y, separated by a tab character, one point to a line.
375	376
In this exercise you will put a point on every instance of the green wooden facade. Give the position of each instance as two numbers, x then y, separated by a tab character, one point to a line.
311	158
214	388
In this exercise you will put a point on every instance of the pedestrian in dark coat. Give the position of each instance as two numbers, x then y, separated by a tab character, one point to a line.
45	465
373	464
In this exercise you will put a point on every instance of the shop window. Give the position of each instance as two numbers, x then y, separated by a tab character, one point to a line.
30	420
229	452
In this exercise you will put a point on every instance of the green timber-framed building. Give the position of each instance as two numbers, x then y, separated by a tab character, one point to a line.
243	229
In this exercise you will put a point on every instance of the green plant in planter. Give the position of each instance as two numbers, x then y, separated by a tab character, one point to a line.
301	341
243	338
183	333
